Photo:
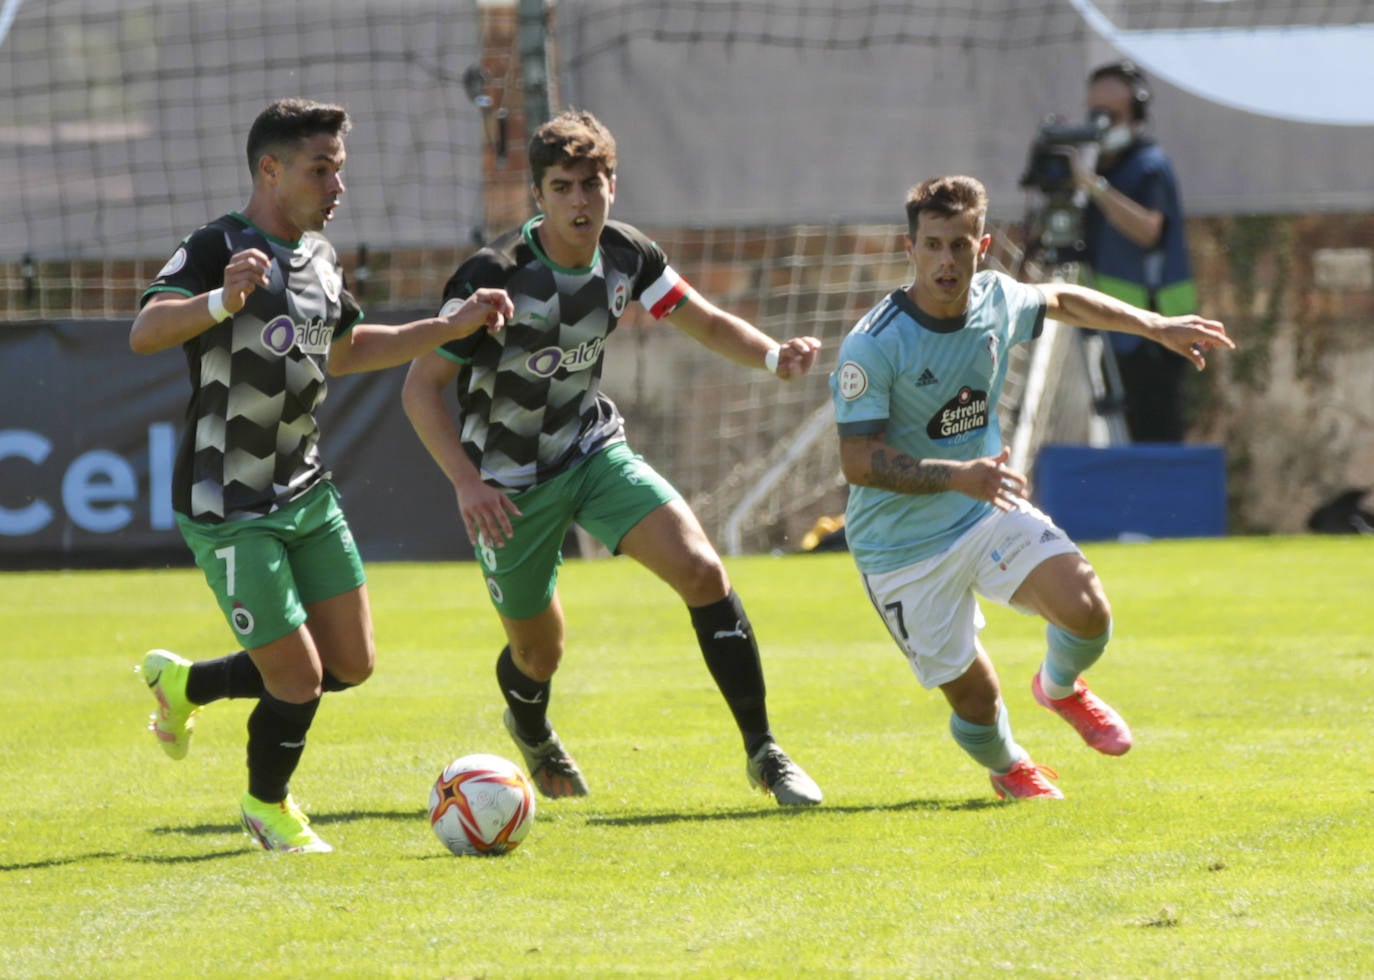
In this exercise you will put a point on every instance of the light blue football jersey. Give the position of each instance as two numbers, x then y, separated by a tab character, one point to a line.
932	386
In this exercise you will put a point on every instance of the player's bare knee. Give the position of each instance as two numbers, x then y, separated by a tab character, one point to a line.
354	675
294	690
538	664
977	708
702	580
1091	618
1099	615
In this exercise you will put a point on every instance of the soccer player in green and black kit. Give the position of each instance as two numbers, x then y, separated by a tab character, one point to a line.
256	300
537	445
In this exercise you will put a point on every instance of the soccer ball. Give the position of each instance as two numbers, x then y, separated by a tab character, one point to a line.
481	805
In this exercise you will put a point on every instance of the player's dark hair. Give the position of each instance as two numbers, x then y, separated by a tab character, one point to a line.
946	197
286	123
570	137
1130	74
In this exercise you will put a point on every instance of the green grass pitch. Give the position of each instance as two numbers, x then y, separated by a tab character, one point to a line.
1234	840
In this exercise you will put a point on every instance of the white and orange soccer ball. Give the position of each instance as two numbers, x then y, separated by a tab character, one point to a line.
481	805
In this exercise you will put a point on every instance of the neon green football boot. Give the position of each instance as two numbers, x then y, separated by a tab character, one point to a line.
175	718
280	827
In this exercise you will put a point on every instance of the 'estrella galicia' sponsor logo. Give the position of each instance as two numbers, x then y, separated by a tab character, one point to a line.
926	378
281	334
965	412
547	362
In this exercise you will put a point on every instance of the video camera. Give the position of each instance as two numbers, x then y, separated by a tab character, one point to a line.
1050	168
1056	228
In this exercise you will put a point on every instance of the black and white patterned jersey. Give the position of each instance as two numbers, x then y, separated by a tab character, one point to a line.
530	394
250	442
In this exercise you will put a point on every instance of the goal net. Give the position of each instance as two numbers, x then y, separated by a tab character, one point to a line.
124	121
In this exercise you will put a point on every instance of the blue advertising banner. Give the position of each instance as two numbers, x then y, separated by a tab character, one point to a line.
88	435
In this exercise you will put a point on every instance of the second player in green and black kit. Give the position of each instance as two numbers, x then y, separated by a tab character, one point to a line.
530	397
537	445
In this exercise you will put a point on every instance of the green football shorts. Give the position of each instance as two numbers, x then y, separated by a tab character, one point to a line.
266	570
607	493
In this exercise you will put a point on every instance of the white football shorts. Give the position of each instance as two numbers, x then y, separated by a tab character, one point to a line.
930	607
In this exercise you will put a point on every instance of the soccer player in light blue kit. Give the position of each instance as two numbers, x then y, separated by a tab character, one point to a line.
936	516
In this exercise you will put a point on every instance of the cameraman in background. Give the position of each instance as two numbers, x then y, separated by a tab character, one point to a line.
1135	246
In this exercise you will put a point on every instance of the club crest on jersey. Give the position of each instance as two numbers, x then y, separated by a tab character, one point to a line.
851	380
282	333
329	279
547	362
620	298
962	415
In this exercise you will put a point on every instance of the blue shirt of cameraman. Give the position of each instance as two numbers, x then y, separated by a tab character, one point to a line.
1158	278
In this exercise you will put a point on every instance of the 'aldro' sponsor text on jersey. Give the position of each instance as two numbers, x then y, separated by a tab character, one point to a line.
530	396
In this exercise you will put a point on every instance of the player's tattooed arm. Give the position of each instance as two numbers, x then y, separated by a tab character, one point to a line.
896	471
870	462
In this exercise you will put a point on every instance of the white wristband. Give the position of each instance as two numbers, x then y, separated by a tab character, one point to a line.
770	360
215	300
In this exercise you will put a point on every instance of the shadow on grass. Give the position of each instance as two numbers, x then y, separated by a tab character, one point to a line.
644	819
60	862
118	856
316	819
592	818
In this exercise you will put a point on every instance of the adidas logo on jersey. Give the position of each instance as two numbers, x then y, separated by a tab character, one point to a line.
1047	535
926	378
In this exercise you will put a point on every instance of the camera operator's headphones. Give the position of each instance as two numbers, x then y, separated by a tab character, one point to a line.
1133	77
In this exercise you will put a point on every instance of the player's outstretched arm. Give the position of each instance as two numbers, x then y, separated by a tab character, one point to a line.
868	461
485	510
1189	335
372	346
739	340
169	320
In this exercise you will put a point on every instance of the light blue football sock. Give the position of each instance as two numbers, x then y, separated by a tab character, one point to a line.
1067	656
989	745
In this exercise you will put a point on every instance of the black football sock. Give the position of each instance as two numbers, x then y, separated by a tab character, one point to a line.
236	676
232	676
276	739
732	656
527	699
332	683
